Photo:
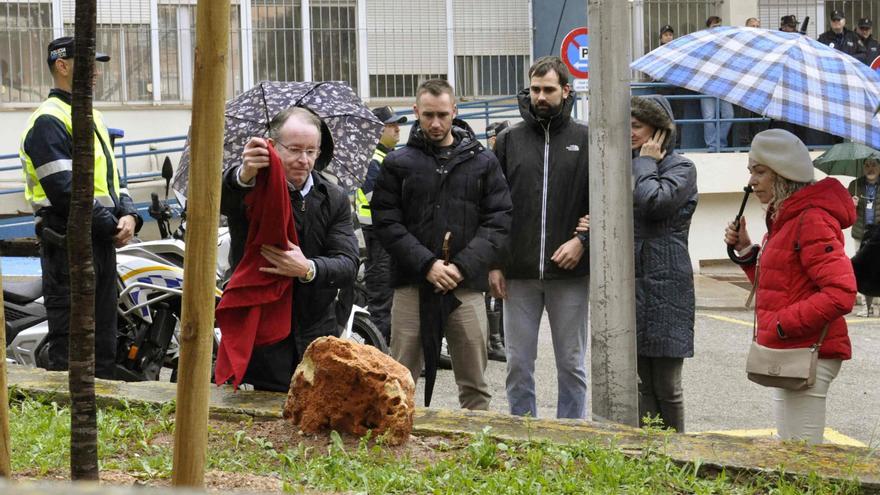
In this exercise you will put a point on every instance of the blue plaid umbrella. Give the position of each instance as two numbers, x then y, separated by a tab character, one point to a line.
784	76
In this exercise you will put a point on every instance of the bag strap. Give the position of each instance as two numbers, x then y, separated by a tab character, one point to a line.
818	343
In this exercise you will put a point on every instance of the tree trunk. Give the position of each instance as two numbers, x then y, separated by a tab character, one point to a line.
83	413
197	317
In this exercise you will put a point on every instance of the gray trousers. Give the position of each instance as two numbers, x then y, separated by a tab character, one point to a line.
566	302
466	336
660	391
800	414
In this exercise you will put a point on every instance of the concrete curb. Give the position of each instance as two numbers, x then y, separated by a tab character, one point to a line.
712	452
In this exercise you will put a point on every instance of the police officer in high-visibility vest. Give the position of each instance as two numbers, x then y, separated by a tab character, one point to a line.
378	264
46	153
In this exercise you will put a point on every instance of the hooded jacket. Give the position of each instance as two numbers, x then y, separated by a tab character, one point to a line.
664	200
417	199
805	278
546	164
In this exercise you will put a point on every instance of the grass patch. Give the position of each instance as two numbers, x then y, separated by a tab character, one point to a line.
139	440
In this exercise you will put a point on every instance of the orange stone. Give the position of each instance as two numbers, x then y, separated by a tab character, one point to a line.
349	387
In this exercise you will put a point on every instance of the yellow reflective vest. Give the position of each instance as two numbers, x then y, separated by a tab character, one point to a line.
362	199
34	192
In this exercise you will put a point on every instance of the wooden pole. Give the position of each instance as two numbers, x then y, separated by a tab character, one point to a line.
5	449
199	271
81	377
612	269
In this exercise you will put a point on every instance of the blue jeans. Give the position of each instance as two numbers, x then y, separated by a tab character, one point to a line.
707	107
567	304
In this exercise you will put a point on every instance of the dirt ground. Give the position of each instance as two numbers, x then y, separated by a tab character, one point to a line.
281	433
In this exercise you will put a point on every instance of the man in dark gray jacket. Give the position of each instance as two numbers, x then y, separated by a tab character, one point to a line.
544	159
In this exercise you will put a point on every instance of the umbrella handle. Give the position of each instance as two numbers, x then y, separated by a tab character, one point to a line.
752	256
446	238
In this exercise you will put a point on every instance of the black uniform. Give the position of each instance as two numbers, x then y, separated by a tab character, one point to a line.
869	49
846	42
50	147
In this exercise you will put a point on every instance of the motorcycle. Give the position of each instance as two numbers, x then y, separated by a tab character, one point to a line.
150	282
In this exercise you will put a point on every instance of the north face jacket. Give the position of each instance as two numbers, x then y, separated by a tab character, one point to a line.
546	165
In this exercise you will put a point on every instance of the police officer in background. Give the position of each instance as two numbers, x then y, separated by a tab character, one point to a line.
869	48
839	37
494	306
47	159
667	34
788	24
378	264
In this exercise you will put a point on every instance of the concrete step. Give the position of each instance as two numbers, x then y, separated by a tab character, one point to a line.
712	452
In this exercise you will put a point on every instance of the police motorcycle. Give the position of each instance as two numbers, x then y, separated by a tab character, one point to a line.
149	281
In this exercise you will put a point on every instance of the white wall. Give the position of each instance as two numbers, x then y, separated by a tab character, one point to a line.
720	179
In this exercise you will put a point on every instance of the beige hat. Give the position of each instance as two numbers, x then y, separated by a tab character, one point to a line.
783	153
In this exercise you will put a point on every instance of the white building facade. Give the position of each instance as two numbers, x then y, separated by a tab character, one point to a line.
382	48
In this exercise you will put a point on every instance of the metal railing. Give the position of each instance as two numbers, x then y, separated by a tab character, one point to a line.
124	154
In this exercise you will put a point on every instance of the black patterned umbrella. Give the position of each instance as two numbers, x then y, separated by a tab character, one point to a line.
354	128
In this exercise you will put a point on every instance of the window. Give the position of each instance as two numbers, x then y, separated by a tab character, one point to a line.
25	31
399	85
177	40
685	17
334	41
490	75
277	40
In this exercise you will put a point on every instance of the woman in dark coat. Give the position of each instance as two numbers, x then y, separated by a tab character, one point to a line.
664	200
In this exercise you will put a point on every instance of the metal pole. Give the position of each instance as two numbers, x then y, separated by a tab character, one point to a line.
203	215
5	448
612	271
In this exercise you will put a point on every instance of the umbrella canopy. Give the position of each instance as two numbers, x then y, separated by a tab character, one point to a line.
845	159
354	128
784	76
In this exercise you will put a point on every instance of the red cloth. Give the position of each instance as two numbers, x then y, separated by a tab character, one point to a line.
801	290
256	307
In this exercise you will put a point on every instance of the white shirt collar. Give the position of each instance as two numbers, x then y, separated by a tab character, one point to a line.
305	188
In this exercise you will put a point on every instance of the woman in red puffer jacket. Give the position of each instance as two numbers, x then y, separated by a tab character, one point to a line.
806	279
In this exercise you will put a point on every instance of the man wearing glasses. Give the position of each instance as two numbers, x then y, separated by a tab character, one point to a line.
325	259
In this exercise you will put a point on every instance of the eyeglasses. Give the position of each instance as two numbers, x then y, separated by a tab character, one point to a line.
296	153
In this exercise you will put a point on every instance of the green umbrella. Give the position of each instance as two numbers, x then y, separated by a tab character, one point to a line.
845	159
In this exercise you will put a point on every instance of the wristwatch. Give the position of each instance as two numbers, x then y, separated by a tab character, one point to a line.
584	237
310	273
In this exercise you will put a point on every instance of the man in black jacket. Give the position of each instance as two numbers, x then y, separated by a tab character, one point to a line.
545	160
839	37
327	256
869	48
442	182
